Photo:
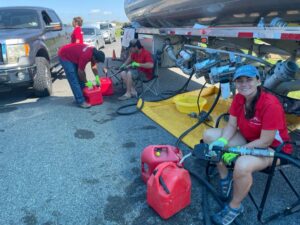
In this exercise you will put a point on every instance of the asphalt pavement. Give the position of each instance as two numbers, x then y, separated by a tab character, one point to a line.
63	165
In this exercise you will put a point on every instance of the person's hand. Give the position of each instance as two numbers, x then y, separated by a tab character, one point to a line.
220	142
97	79
228	157
135	65
89	84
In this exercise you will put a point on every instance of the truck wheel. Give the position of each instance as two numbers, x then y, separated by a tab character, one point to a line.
42	81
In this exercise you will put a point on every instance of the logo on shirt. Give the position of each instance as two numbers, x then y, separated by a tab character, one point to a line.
84	49
255	121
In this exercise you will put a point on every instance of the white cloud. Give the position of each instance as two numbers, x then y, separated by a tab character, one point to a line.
95	11
107	13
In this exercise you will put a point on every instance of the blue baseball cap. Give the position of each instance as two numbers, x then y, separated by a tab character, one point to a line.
246	71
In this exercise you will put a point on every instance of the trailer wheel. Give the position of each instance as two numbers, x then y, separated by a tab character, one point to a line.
42	81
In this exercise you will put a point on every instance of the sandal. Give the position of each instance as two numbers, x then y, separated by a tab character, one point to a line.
227	215
226	185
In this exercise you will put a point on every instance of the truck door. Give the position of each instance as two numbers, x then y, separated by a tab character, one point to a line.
54	39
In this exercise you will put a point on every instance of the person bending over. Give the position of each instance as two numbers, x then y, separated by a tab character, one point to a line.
74	58
139	65
257	120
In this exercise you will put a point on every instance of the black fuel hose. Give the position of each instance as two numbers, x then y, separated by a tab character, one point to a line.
205	207
136	109
168	94
290	159
213	192
201	120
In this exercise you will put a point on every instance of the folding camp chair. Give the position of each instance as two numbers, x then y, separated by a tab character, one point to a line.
152	85
270	172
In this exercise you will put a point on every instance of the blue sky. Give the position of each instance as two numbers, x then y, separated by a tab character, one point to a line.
90	10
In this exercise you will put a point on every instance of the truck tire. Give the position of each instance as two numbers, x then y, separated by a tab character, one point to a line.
42	81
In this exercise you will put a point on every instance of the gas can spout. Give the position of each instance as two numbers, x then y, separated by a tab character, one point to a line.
182	160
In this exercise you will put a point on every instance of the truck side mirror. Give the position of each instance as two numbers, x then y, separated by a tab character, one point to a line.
54	26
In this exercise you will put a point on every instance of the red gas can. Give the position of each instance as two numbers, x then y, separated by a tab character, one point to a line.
153	155
106	86
169	189
93	95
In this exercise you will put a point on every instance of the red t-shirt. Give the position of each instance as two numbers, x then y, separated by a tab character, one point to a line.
269	115
77	34
143	57
79	54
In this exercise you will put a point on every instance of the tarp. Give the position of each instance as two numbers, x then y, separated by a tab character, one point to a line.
166	115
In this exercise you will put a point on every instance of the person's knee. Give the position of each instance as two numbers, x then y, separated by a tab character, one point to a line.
241	168
209	135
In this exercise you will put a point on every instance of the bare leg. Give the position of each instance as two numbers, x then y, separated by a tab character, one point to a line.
125	78
129	83
242	176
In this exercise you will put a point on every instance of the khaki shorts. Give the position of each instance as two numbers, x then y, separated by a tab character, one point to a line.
138	75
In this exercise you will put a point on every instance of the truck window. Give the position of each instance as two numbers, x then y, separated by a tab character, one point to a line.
53	16
18	19
46	18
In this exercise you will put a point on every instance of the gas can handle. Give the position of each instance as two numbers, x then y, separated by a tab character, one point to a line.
157	175
163	184
158	170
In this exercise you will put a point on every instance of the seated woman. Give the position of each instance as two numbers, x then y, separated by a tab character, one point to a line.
139	65
257	120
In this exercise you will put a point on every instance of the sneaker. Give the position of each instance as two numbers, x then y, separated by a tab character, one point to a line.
226	185
124	97
227	215
84	105
134	94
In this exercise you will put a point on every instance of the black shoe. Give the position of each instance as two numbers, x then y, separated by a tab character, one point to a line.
84	105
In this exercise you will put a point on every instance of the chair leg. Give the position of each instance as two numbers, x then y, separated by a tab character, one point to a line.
293	208
289	183
152	87
266	191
